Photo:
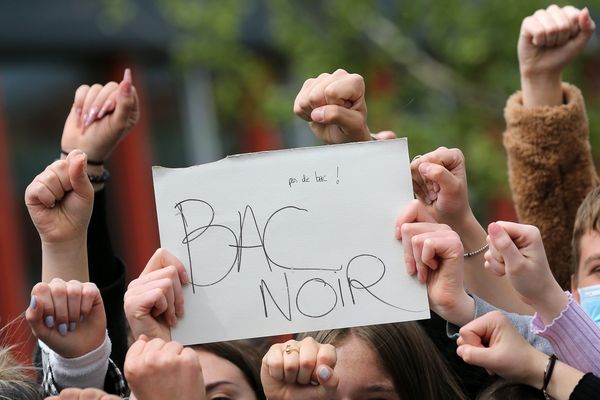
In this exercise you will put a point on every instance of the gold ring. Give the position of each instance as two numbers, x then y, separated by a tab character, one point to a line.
289	349
417	157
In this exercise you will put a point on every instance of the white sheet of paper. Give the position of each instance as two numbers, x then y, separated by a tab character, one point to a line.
290	241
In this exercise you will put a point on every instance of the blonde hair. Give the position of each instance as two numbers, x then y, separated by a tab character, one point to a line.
15	379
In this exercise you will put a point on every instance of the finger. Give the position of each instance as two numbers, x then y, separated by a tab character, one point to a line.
127	101
550	27
35	312
37	193
473	355
440	175
316	95
89	113
77	172
328	382
301	104
346	90
533	32
74	297
162	258
348	120
291	363
90	297
586	24
384	135
172	347
417	248
415	211
408	231
170	273
562	22
167	288
494	254
78	101
498	268
309	349
100	102
504	244
56	179
58	288
275	362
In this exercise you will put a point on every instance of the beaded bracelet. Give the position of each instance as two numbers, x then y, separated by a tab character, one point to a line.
475	252
100	178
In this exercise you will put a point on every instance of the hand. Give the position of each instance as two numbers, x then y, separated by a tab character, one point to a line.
440	182
439	251
517	251
493	343
288	374
83	394
549	40
67	316
335	107
100	118
159	370
154	301
60	200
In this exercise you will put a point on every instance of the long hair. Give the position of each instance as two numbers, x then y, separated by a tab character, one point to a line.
414	364
242	356
16	382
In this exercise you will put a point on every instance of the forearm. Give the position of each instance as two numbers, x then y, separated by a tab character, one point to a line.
65	260
562	382
482	282
541	90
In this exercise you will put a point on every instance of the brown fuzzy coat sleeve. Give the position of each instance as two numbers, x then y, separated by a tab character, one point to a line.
550	170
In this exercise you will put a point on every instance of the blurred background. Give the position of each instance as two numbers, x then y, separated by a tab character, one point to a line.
218	77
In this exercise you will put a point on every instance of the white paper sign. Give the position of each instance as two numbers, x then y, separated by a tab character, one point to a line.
290	241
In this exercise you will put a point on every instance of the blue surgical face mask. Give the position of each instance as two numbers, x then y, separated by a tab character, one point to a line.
590	301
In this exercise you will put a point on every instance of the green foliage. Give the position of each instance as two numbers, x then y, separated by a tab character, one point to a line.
438	72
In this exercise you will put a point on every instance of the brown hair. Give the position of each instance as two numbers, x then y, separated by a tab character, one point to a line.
506	390
407	354
587	220
241	355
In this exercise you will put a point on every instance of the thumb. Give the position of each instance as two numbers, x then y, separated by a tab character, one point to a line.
80	181
384	135
439	175
127	101
328	382
474	355
500	239
586	29
35	316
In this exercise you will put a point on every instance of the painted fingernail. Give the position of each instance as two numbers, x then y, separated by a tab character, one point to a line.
85	117
62	329
72	326
33	303
90	117
101	112
318	114
324	373
50	321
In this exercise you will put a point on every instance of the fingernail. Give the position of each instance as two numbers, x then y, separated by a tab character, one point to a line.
324	373
432	195
90	117
85	117
72	326
127	75
318	114
62	329
33	303
101	112
49	321
424	168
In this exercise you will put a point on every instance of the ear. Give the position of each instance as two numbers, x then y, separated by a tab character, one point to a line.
574	291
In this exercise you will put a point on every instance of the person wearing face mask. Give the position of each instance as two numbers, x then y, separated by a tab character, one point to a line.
585	247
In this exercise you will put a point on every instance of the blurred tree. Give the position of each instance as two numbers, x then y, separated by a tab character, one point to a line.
437	72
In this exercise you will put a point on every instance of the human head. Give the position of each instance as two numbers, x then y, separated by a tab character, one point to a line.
585	245
15	382
235	365
405	353
506	390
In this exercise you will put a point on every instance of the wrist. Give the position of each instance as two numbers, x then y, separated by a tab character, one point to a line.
460	312
551	304
65	259
541	89
534	371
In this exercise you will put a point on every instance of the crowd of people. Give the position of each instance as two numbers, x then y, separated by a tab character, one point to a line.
502	327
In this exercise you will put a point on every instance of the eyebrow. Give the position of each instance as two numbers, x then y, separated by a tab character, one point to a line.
216	384
591	259
379	388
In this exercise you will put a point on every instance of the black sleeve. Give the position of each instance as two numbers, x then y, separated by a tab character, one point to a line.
588	388
108	273
472	379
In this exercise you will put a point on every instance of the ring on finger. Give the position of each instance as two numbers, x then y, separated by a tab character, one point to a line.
289	349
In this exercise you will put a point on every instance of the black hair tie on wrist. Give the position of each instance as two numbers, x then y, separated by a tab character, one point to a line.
91	162
548	375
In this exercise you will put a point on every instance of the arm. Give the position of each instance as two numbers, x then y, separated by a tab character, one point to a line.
548	183
285	377
83	394
574	337
491	342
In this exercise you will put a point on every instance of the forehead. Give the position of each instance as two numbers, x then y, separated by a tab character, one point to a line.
216	369
359	369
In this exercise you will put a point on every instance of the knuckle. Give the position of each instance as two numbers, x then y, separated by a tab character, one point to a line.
340	71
